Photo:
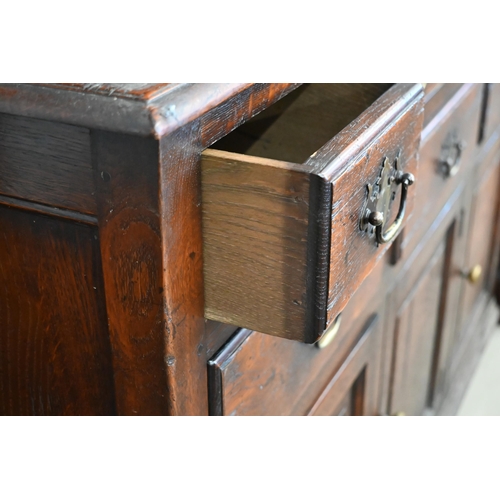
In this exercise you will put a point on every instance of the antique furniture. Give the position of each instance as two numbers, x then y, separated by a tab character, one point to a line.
246	249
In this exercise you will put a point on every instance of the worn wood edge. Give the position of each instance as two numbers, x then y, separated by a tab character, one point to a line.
76	108
215	366
318	257
220	155
187	104
331	160
453	103
101	89
60	213
161	115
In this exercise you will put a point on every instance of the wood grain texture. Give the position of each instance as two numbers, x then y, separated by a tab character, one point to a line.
126	170
54	348
255	227
46	162
182	255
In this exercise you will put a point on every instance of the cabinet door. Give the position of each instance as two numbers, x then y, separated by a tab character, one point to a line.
425	302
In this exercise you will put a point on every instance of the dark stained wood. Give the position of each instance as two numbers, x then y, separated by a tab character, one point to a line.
46	162
169	107
353	254
60	213
111	176
54	348
126	172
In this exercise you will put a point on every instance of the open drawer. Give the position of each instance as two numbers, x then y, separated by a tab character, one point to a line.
291	231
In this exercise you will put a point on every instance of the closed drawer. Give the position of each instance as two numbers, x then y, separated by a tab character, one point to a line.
286	244
257	374
447	154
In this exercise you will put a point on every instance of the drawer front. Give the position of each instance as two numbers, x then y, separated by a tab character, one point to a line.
257	374
447	154
286	245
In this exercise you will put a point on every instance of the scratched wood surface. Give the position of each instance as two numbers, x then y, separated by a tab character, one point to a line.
55	354
126	172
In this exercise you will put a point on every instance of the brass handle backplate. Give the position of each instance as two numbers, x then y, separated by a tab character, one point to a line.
379	200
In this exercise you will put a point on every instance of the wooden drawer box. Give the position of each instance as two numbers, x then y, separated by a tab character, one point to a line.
286	236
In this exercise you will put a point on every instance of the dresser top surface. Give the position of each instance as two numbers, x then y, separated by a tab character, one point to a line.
147	109
136	91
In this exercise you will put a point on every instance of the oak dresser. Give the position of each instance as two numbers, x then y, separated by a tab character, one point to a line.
246	249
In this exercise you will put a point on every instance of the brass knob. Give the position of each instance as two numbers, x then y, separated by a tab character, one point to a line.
474	274
329	334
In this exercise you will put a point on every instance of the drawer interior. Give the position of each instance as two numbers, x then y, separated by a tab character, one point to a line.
299	124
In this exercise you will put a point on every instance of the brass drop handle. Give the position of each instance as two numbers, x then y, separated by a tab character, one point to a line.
473	275
329	334
451	164
377	218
